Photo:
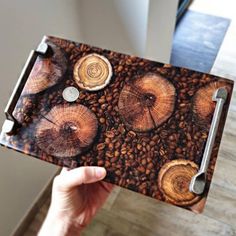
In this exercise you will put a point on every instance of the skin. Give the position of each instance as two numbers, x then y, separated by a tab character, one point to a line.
76	197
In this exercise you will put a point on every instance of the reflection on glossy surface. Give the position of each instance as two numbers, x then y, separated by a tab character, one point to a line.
92	129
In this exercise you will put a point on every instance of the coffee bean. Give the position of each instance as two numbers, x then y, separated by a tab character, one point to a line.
100	163
139	146
152	143
102	120
120	68
110	134
110	146
116	153
101	146
123	150
141	169
109	154
178	150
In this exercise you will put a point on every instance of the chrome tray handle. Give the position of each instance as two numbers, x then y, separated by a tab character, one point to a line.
10	121
198	181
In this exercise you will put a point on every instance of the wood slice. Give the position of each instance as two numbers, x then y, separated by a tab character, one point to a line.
174	179
46	72
92	72
66	130
146	102
203	105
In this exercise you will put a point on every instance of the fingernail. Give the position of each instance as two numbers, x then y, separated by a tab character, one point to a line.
100	172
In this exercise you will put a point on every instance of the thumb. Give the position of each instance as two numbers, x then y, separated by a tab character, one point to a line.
69	179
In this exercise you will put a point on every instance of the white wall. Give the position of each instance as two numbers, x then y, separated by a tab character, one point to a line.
134	17
107	23
160	22
139	27
102	25
22	25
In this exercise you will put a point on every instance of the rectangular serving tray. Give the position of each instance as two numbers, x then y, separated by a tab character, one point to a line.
156	128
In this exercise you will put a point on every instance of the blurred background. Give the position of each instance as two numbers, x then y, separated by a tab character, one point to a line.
199	36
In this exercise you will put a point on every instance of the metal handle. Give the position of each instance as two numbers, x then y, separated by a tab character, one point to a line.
10	120
198	181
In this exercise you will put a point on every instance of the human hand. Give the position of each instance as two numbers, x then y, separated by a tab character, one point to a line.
76	196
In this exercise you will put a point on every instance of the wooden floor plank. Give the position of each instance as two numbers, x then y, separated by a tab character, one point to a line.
110	225
95	228
225	174
142	231
165	219
221	205
112	197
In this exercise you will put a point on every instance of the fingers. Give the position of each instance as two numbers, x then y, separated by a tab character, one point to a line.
64	170
108	187
69	179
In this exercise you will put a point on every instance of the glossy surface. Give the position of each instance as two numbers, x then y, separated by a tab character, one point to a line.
132	158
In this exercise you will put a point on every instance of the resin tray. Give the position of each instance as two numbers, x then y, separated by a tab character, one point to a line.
155	128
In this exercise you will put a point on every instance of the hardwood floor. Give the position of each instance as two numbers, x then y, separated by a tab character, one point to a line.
129	213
